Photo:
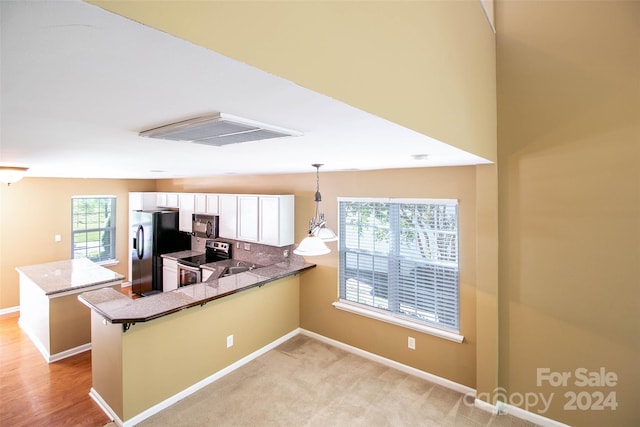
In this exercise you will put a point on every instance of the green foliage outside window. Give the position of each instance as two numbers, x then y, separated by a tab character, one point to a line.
93	227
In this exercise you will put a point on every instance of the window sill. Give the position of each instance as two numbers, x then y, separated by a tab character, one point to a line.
373	314
108	263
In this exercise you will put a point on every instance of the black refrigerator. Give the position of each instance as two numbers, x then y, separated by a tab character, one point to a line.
155	233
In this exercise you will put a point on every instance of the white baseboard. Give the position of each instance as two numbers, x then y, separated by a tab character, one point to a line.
50	358
10	310
189	390
501	408
393	364
104	406
505	408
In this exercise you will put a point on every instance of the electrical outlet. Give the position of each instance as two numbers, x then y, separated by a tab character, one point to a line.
247	246
229	341
411	343
57	238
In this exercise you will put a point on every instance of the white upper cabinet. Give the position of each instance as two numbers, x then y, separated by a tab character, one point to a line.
187	205
201	204
168	200
139	201
248	218
228	210
276	220
265	219
213	204
207	204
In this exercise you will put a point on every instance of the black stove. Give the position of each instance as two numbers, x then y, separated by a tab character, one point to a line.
215	251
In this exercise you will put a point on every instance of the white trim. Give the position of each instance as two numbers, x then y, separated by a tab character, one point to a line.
9	310
393	364
104	406
505	408
48	357
499	408
191	389
71	352
485	406
440	333
417	201
489	17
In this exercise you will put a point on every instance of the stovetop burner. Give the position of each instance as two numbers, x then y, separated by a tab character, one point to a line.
215	251
194	261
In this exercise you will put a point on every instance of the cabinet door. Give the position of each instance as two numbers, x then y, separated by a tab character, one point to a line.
186	212
206	274
276	220
228	216
161	200
173	200
248	218
212	204
269	224
169	275
201	203
141	201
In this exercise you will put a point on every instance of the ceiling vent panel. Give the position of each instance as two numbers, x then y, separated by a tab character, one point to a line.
217	129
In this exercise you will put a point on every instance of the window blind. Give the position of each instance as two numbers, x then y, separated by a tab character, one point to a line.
401	256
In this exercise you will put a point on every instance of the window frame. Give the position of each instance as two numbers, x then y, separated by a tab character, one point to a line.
101	229
388	314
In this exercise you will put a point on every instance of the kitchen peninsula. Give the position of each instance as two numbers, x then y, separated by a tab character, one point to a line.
150	352
50	313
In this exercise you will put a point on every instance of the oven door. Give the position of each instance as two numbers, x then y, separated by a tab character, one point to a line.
188	275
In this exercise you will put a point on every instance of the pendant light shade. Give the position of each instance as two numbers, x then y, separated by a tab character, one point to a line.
11	174
325	234
311	246
319	233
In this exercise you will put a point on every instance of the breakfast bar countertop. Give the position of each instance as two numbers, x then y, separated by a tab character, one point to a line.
68	275
116	307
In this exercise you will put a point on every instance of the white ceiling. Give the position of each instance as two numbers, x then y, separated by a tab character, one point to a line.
79	83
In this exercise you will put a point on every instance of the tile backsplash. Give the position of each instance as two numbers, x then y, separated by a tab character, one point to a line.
256	253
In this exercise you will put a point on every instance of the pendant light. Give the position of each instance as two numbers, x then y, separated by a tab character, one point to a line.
314	244
11	174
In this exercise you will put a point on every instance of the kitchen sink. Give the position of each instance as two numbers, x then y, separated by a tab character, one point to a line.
240	268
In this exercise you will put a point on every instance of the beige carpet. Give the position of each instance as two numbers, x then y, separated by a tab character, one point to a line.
305	382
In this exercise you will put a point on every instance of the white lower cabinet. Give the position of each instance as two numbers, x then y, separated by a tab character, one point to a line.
169	274
206	274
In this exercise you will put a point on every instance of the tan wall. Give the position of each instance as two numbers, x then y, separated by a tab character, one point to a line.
453	361
319	289
163	357
34	210
427	65
569	157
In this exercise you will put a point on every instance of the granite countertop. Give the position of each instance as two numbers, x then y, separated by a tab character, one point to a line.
68	275
181	254
116	307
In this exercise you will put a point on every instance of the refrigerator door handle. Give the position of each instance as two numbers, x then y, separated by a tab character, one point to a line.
140	240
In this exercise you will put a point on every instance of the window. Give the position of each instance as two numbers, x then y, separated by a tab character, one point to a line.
93	227
399	257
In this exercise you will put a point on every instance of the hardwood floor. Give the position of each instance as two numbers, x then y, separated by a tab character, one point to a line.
36	393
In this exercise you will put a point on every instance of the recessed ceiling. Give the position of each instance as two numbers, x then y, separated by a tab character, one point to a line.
79	84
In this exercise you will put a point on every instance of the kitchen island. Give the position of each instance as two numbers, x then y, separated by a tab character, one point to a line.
150	352
50	313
